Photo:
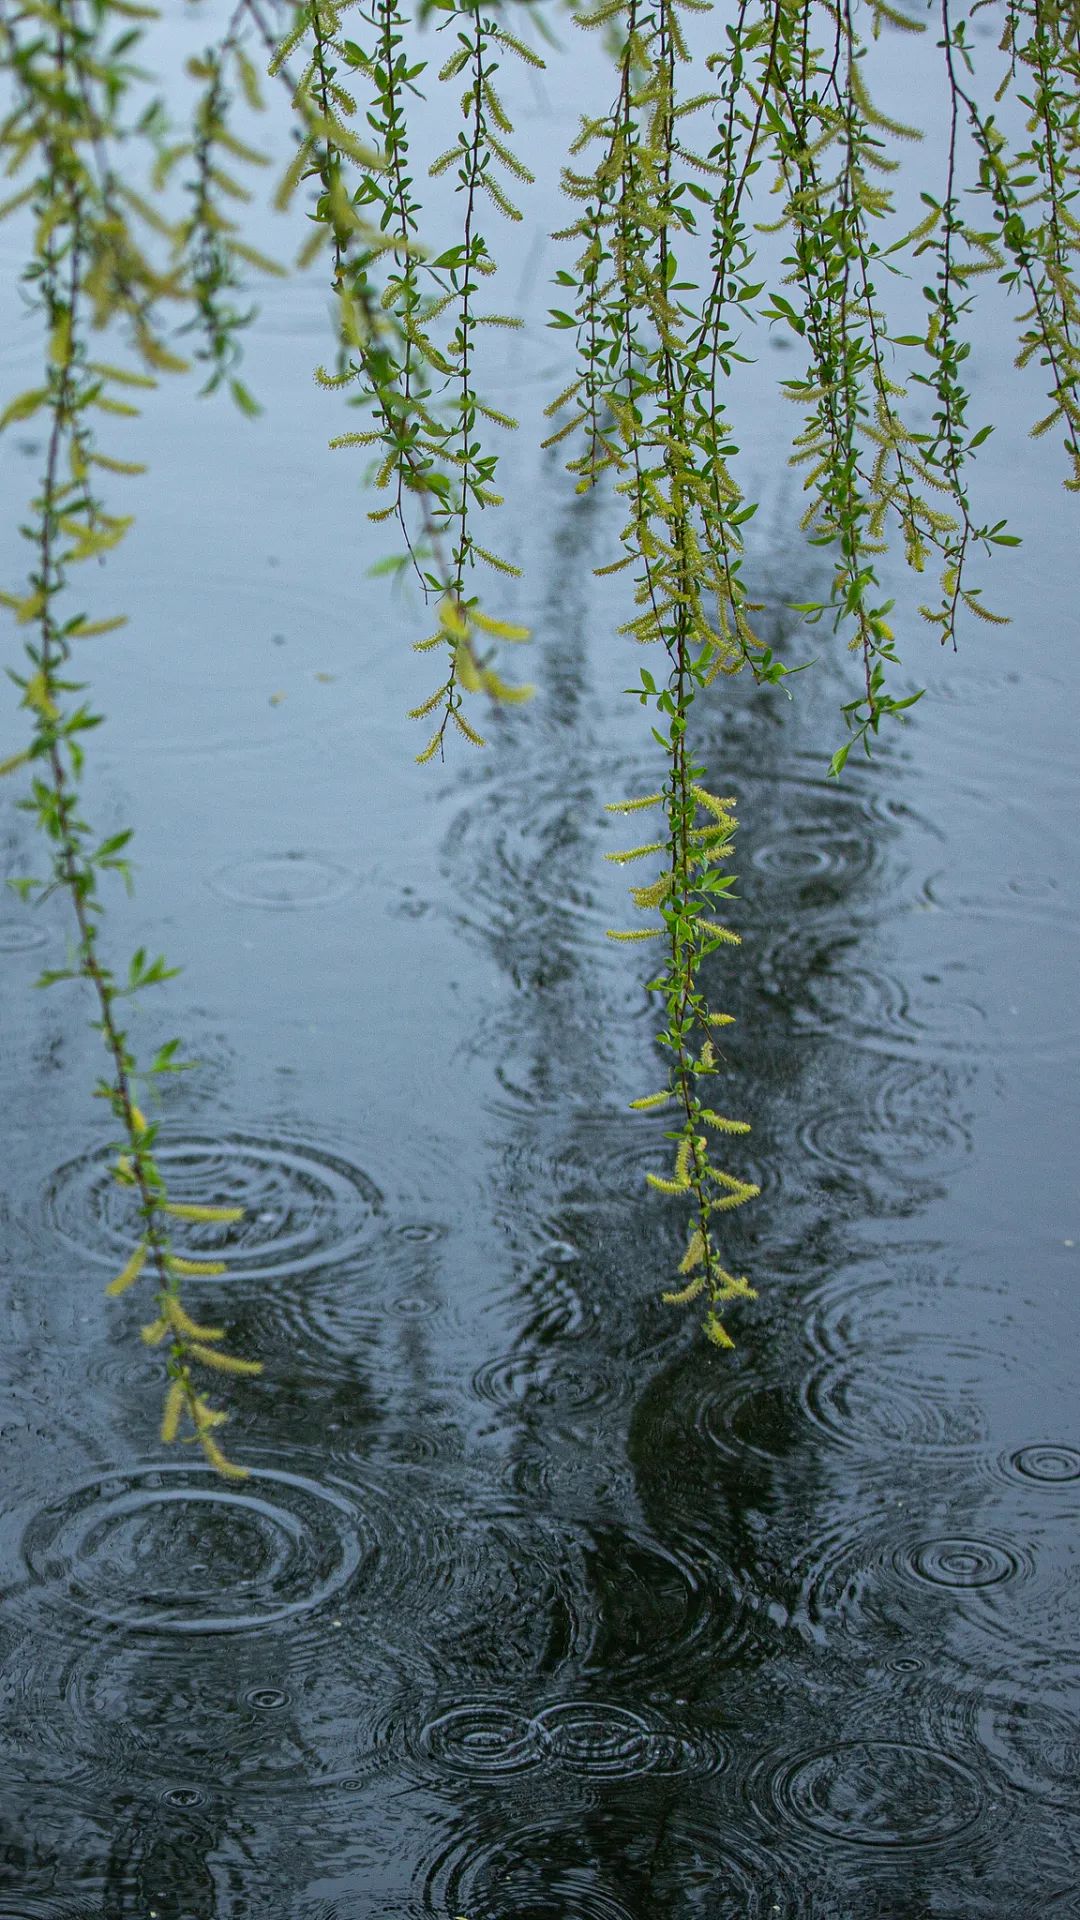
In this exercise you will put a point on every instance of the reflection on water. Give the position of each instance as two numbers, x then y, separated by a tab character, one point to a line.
535	1607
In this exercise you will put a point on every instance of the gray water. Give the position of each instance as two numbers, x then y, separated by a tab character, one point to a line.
535	1607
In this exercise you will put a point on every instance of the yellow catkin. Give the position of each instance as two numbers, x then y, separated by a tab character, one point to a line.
730	1287
695	1252
227	1468
452	619
175	1401
654	894
716	1331
207	1416
181	1210
427	706
735	1185
222	1362
634	806
183	1324
465	726
732	1200
502	629
498	689
129	1274
634	853
468	673
719	806
685	1294
662	1185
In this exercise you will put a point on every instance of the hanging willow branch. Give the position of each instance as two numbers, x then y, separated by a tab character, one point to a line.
89	271
738	176
659	344
409	326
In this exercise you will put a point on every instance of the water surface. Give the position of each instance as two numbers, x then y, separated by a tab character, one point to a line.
534	1606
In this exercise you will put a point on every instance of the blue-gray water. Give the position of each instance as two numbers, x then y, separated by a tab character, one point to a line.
535	1607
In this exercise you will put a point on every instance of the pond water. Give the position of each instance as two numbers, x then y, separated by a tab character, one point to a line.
534	1606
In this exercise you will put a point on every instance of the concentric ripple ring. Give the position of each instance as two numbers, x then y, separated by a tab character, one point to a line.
877	1793
283	881
303	1207
174	1550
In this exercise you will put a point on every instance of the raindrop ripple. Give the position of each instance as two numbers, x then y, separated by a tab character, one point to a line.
174	1550
876	1793
303	1207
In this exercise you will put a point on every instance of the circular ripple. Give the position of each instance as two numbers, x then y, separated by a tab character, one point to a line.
904	1127
174	1550
1025	899
507	1596
960	1564
1048	1464
598	1155
566	1383
668	1607
482	1739
1036	1745
483	1599
525	856
420	1233
826	991
540	1872
411	1306
710	1863
857	1573
303	1207
124	1370
877	1793
798	856
554	1869
283	880
45	1907
107	1707
808	858
866	1384
831	983
591	1738
21	936
858	1402
183	1797
597	1739
819	845
742	1415
267	1699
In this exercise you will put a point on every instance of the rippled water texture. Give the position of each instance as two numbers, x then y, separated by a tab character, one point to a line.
534	1607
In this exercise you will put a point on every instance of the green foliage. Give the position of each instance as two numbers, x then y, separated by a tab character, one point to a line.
89	270
669	271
